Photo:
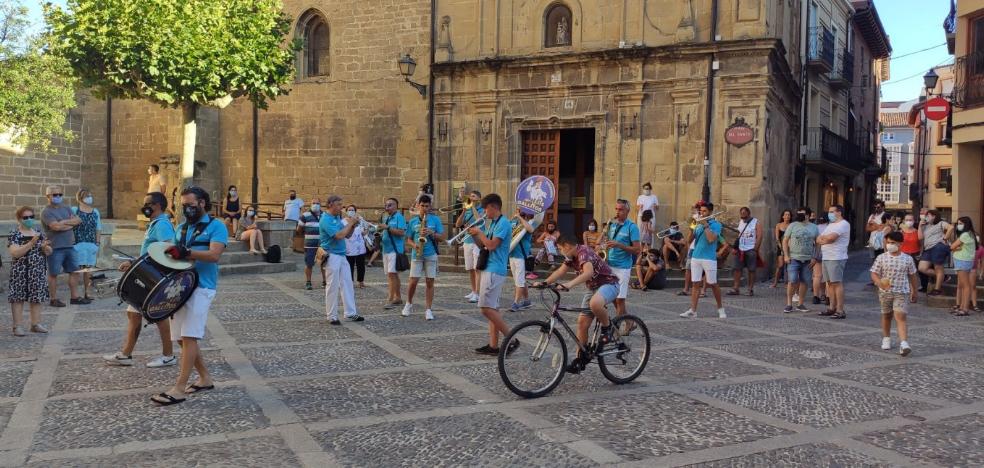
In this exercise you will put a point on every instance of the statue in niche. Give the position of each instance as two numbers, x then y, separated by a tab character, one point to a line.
562	31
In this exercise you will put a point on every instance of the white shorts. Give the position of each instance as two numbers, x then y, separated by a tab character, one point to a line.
426	267
700	267
189	320
518	268
389	263
490	290
471	255
132	310
623	274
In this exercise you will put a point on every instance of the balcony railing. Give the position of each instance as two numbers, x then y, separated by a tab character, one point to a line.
826	147
821	53
969	80
843	74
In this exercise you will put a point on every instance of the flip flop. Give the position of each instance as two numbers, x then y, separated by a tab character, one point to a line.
683	293
195	388
751	293
734	292
164	399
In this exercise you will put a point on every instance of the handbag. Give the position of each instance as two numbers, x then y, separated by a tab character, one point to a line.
402	262
483	254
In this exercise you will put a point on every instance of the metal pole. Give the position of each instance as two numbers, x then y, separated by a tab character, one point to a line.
256	155
705	193
109	157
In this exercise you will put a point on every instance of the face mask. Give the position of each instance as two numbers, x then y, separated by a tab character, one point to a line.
250	213
56	200
192	213
647	192
551	229
87	200
232	192
147	210
908	224
892	248
28	223
592	228
674	230
316	207
960	227
350	213
800	217
832	215
293	196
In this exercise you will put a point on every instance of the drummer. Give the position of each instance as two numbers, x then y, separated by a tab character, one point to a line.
201	239
159	230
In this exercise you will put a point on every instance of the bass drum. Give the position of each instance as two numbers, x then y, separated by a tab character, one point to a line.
157	292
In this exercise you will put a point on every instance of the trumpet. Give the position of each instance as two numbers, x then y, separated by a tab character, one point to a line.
464	232
664	233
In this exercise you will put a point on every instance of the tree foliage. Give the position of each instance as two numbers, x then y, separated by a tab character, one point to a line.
37	89
176	52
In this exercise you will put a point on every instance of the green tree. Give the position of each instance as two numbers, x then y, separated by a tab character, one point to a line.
37	90
177	53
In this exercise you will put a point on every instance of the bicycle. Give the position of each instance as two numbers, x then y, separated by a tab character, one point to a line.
537	373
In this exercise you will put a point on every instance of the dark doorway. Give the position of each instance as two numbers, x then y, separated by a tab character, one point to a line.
576	182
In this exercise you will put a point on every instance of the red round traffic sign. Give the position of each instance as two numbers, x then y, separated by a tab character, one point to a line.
937	108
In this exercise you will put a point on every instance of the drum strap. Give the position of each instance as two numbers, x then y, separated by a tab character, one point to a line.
199	228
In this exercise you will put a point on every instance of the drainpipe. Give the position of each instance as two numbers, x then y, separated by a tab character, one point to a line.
109	157
256	155
805	104
430	95
709	146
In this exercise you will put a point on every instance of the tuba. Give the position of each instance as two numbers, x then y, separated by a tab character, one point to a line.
519	232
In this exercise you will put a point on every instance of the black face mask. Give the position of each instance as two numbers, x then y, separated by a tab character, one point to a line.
192	213
800	217
292	197
147	210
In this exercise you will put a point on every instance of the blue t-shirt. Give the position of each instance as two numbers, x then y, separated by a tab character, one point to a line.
434	224
470	218
397	221
498	258
704	250
523	249
329	227
625	233
160	229
208	272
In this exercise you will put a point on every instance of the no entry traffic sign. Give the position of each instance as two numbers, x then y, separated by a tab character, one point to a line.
937	108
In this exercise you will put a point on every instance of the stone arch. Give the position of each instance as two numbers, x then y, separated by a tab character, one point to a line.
314	58
558	21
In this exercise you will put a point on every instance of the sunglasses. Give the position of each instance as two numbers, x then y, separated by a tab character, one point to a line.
27	217
57	194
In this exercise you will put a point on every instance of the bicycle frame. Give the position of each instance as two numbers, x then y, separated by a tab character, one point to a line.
556	317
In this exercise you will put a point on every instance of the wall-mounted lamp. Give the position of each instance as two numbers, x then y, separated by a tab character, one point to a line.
407	67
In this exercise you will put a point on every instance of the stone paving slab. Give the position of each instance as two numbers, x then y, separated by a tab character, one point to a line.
923	379
391	325
921	347
701	330
96	422
94	375
450	348
286	331
114	319
322	358
799	323
685	365
16	347
588	381
109	341
368	395
13	376
821	455
672	423
230	313
954	441
959	332
480	439
269	295
798	354
258	452
974	362
815	402
5	411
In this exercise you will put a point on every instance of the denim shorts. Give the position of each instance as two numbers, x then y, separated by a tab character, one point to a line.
963	265
309	254
938	254
607	291
798	271
62	261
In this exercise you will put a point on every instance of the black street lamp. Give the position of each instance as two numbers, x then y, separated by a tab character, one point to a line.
930	79
407	67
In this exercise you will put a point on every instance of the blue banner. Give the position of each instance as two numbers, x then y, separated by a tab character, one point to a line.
535	195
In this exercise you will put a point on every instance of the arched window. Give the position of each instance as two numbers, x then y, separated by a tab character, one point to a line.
314	57
557	26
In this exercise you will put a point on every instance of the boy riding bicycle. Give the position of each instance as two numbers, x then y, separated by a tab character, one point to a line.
594	271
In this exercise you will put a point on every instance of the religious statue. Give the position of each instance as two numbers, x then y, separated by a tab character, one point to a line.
562	31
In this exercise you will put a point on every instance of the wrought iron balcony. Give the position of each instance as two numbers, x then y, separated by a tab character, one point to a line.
821	51
826	148
843	74
968	86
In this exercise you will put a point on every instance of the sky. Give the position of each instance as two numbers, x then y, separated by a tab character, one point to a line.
912	25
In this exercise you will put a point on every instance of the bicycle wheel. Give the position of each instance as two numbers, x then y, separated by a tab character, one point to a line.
538	365
625	362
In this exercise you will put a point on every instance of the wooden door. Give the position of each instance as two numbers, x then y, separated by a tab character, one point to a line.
541	156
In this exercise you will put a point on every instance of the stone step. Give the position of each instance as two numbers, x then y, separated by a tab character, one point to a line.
256	267
942	302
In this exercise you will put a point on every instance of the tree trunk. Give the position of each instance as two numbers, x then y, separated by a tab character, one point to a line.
188	114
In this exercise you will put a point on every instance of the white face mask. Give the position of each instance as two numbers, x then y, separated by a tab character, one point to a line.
316	207
647	192
250	213
232	192
592	228
892	248
351	213
908	223
832	215
960	227
87	200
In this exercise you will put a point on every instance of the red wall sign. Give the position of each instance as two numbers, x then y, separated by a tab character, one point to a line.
739	133
937	108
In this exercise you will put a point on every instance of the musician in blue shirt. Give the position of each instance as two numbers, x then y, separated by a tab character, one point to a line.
160	229
469	248
494	236
423	258
202	239
338	275
703	263
392	240
517	259
621	243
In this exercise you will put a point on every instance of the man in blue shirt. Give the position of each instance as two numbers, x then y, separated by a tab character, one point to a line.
202	239
621	244
428	228
160	229
704	260
494	236
337	273
517	259
310	225
468	246
393	244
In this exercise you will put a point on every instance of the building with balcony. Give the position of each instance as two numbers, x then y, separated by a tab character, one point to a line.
898	140
966	23
846	54
932	182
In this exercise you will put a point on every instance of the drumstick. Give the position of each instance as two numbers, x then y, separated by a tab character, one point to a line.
124	255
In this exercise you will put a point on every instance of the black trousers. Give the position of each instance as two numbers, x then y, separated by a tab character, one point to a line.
357	262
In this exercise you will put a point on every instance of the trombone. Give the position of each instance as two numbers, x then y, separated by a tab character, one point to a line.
664	233
466	205
457	237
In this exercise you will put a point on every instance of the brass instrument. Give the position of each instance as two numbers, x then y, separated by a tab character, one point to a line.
604	239
421	238
705	218
450	208
664	233
519	232
457	237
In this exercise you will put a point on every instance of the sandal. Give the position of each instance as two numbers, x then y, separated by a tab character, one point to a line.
734	292
683	293
164	399
962	313
196	388
751	293
827	313
838	315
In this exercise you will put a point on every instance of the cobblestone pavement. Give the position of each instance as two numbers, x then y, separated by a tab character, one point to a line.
760	388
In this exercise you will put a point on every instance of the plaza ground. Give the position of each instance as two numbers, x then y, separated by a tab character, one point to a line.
758	389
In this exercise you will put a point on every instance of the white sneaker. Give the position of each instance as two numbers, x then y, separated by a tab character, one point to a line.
469	296
162	361
428	314
474	298
407	309
887	343
796	298
118	359
722	313
688	314
904	348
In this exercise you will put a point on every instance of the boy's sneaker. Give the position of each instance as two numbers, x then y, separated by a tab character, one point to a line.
802	308
356	318
118	359
788	309
487	350
688	314
308	286
887	343
407	309
513	346
428	314
162	361
904	348
816	300
473	298
722	313
525	305
514	307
